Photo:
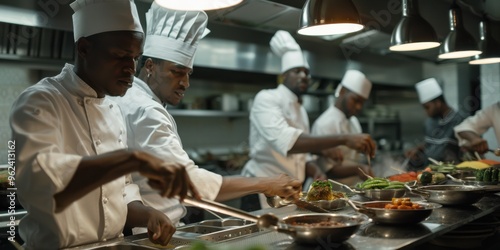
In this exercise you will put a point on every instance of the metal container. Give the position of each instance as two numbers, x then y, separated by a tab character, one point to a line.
383	194
376	211
451	194
313	234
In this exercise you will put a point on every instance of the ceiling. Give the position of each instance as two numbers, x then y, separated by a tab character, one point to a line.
380	17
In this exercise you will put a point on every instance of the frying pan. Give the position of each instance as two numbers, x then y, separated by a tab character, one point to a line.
451	194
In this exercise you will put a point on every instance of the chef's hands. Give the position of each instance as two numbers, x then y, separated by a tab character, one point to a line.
160	228
170	179
313	171
363	143
334	153
478	144
285	187
367	169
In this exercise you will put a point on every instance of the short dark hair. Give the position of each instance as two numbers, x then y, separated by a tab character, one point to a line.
439	98
142	61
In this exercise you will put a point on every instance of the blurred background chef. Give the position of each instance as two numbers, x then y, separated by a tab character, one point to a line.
279	125
440	142
340	118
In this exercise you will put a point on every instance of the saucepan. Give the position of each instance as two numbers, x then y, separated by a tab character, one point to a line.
375	194
450	194
304	228
379	214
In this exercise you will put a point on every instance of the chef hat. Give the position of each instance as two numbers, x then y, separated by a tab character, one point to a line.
428	90
356	82
173	35
283	45
97	16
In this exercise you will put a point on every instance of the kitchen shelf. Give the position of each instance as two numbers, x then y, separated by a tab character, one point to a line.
206	113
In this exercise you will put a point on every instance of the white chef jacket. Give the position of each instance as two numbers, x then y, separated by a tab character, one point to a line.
54	123
151	128
334	122
276	121
484	119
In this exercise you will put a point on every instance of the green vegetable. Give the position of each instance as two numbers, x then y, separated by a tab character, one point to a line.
438	177
494	175
322	184
487	175
480	175
426	178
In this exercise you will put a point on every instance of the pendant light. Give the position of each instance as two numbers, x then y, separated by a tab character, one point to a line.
413	32
491	51
329	17
197	4
458	43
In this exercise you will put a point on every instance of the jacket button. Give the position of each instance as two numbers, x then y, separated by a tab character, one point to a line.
105	200
87	101
98	142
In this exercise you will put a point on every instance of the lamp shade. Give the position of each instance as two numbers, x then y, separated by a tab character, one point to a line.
197	4
458	43
329	17
413	32
491	50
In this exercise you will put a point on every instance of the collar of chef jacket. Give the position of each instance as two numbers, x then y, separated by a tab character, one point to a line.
75	84
146	89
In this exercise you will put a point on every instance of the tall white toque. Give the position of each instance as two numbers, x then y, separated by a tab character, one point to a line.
356	82
284	46
97	16
428	90
173	35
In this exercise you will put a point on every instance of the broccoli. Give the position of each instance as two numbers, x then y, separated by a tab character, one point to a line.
426	178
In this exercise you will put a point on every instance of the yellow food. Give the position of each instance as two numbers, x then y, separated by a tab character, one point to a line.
473	165
322	190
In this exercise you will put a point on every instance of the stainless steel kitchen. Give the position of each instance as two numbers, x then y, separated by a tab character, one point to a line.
407	92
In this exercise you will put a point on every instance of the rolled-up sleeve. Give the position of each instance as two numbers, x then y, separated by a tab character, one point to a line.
479	123
268	118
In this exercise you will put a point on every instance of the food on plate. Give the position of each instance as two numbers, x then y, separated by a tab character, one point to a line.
322	190
442	168
402	203
488	175
426	177
380	183
404	177
472	165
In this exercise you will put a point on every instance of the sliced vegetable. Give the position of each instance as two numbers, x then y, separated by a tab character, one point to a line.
487	175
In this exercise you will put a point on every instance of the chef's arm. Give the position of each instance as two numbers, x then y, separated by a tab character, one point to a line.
160	228
348	168
307	143
94	171
474	142
136	214
237	186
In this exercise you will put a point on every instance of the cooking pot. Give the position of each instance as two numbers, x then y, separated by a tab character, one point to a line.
450	194
376	211
375	194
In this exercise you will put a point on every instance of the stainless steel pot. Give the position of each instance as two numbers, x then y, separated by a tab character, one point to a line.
376	211
450	194
375	194
349	224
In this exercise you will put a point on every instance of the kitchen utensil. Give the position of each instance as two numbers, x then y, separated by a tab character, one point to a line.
375	194
478	157
276	202
337	227
405	163
376	211
495	151
368	160
435	162
450	194
455	179
365	174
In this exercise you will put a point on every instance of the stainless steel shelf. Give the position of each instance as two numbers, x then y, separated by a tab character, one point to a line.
206	113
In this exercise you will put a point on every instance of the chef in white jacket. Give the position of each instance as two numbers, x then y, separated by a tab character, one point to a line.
340	118
469	132
72	166
279	125
172	37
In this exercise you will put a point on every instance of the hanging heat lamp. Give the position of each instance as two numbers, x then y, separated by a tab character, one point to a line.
197	4
329	17
459	43
491	50
413	32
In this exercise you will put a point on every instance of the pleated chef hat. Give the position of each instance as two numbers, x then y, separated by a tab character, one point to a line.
96	16
428	90
283	45
356	82
173	35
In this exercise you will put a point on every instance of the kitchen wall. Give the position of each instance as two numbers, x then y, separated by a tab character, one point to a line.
13	80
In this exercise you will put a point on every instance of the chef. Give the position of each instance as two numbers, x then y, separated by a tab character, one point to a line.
172	37
279	125
340	118
440	142
470	130
73	167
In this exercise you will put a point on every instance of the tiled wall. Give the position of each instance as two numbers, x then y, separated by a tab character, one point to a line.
13	80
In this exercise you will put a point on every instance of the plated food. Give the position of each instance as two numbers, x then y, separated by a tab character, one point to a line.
321	194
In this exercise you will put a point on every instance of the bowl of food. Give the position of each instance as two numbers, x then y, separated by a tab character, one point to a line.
380	189
321	194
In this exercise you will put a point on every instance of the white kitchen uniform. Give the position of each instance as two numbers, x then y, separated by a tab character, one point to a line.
54	123
151	128
276	121
484	119
334	122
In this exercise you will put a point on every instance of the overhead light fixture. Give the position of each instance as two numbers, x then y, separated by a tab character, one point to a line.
491	51
458	43
413	32
329	17
197	4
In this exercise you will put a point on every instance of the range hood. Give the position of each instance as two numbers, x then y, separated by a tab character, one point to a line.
239	38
